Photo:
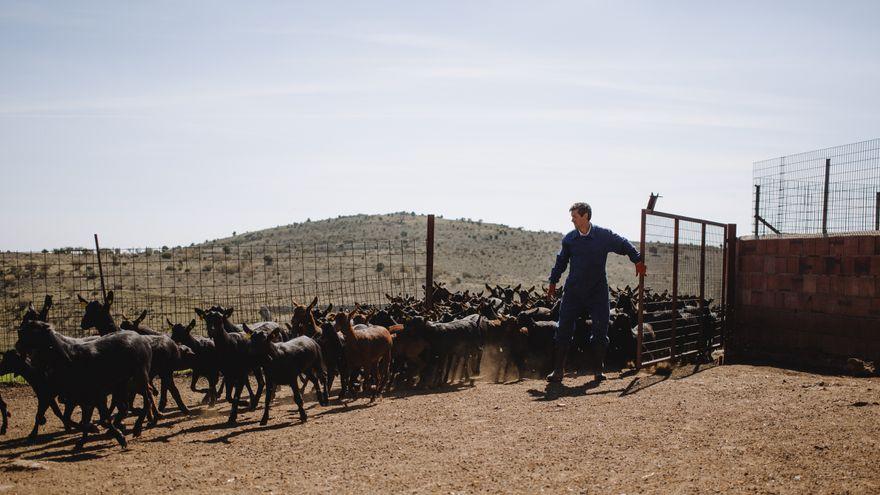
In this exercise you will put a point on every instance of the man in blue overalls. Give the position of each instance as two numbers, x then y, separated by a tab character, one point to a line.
586	288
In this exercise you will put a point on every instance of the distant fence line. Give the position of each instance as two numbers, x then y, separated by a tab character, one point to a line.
170	282
833	190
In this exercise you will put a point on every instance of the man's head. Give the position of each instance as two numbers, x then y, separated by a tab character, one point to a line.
581	213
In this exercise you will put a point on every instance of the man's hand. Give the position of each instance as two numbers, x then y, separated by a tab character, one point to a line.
641	269
551	291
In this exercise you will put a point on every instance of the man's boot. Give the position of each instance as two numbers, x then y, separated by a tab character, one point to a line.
558	364
600	363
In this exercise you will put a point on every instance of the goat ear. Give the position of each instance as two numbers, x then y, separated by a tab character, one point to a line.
228	312
246	329
201	313
274	333
289	326
109	298
82	300
295	303
192	324
355	310
312	305
169	323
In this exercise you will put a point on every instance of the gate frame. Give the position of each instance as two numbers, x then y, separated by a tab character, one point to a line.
728	275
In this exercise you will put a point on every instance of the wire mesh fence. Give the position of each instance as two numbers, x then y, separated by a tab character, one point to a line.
833	190
169	283
684	291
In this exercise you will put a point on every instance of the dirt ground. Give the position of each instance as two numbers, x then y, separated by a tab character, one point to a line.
724	429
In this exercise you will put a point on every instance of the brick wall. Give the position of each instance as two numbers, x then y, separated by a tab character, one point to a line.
809	300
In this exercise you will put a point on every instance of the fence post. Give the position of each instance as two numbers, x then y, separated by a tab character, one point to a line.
429	264
100	270
757	207
728	294
641	296
825	197
674	289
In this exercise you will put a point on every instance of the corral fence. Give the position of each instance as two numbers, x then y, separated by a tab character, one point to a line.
689	265
829	191
171	282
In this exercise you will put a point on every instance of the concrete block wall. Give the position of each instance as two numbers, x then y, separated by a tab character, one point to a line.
813	300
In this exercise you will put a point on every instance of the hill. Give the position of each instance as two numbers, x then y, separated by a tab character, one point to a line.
468	253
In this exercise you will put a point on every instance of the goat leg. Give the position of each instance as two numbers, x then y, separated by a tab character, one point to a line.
269	388
103	411
175	394
299	401
84	424
258	374
233	413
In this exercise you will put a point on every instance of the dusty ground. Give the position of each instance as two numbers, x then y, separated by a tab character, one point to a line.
727	429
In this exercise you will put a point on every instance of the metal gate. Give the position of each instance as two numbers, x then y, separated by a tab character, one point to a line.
682	301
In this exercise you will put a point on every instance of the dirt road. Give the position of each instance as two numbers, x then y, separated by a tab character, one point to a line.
728	429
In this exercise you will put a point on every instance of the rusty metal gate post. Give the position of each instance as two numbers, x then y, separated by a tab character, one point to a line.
641	296
674	289
728	287
429	264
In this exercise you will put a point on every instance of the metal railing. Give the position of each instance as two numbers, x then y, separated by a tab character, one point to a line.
829	191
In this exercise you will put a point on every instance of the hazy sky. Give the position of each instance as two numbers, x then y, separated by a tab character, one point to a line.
176	122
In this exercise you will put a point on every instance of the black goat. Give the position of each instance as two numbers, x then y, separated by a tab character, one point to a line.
235	357
86	373
283	362
204	362
165	353
13	363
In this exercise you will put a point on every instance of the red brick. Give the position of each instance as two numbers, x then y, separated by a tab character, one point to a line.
745	297
791	300
781	264
851	246
769	265
823	284
823	246
866	245
779	300
875	266
809	284
835	246
837	285
851	287
861	306
782	247
831	265
769	299
746	247
810	247
862	265
761	246
796	247
758	281
847	265
772	246
866	287
791	264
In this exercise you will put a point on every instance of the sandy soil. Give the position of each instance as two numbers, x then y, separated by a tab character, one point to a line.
726	429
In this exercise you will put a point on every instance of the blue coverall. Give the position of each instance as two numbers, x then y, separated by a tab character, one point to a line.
586	287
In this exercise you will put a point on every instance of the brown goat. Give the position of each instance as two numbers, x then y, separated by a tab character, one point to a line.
367	347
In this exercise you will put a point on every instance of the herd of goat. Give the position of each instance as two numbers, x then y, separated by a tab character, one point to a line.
405	343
